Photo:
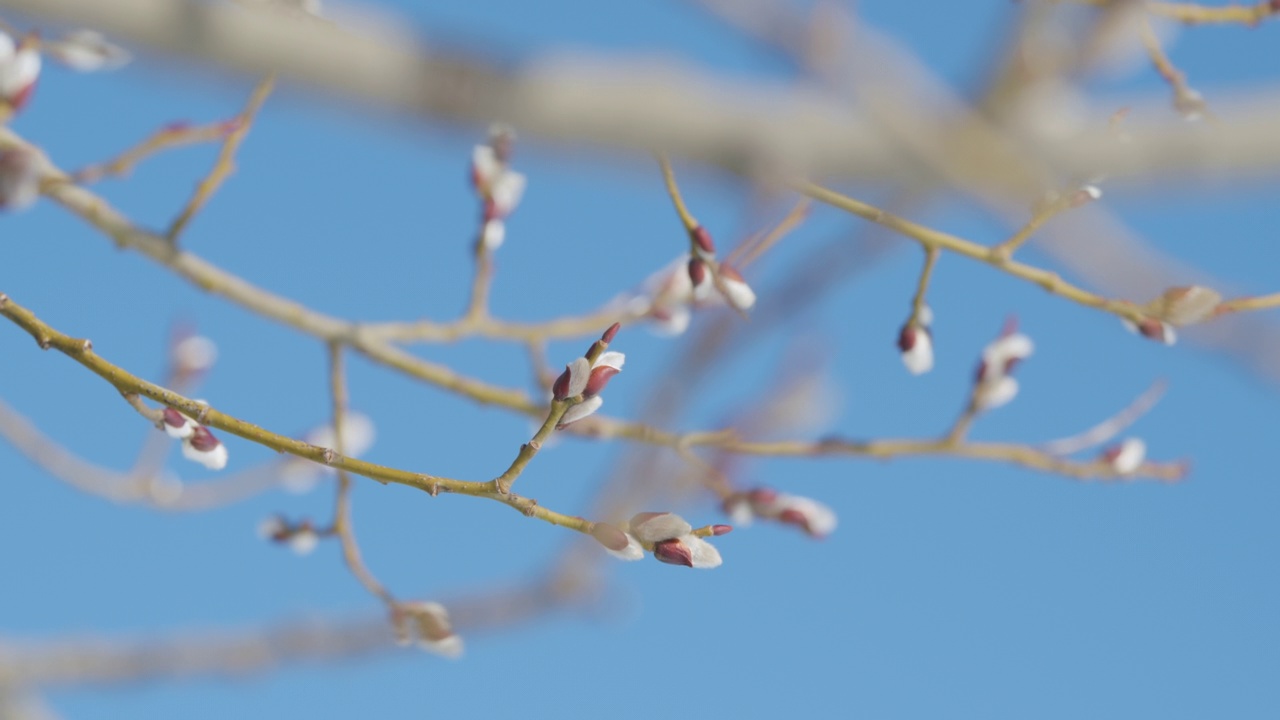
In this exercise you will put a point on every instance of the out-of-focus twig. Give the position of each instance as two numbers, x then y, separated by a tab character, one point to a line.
225	163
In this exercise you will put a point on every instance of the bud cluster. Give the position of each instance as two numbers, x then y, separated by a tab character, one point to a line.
915	342
427	624
198	443
301	537
994	384
811	516
586	377
499	187
670	538
694	279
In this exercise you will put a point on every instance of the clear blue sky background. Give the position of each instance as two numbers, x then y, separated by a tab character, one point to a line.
951	589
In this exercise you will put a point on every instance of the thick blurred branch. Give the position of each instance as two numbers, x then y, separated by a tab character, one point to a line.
642	106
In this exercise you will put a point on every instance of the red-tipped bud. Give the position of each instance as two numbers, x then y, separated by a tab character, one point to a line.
599	377
916	346
611	333
791	516
721	529
702	239
202	439
560	389
697	272
1126	457
1153	329
907	337
173	418
673	552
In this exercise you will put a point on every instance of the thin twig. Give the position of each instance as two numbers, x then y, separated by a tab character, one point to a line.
342	524
225	164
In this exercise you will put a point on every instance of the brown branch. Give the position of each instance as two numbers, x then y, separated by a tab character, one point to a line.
225	164
342	525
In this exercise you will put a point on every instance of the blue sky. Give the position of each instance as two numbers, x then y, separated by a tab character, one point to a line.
951	588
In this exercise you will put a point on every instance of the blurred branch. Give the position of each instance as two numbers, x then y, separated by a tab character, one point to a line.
225	163
594	100
237	653
147	487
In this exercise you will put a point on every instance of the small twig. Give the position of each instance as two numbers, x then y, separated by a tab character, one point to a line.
1248	304
669	177
749	252
1109	428
1045	212
165	138
918	303
342	525
929	237
482	280
1186	100
225	164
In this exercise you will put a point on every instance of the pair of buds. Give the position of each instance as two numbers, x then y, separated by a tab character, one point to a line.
586	377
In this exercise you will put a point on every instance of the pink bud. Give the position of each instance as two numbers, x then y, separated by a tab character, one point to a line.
792	516
203	440
204	448
599	377
611	333
1126	457
177	425
916	344
673	552
702	239
1153	329
560	389
721	529
697	272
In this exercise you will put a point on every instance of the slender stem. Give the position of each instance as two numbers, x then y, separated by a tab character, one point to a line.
669	177
342	524
1039	217
225	164
163	139
928	237
747	253
482	280
1262	302
922	287
502	484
